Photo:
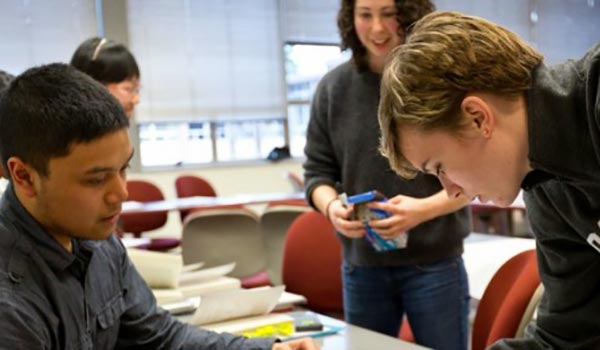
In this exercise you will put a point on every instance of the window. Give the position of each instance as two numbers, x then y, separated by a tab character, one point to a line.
305	65
166	144
213	77
189	143
41	32
212	80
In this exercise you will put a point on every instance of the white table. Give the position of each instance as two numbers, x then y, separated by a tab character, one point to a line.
206	202
357	338
484	254
354	338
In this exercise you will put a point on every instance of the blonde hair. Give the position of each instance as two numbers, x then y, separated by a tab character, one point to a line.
447	55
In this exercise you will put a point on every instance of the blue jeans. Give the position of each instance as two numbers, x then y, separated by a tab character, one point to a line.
435	298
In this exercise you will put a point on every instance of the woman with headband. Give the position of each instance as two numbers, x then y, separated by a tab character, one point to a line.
114	66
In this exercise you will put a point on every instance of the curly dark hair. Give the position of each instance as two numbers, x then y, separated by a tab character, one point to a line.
409	11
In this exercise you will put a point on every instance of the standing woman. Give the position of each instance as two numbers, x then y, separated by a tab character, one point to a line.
427	279
114	66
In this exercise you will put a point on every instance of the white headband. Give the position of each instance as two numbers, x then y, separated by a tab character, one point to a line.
98	48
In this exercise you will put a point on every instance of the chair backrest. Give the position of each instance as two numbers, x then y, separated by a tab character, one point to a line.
531	311
274	223
505	300
136	223
312	259
222	236
191	186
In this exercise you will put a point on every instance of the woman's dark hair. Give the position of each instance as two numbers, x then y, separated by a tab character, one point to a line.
105	60
409	11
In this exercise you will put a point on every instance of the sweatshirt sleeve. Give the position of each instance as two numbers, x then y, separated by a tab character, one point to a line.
591	68
568	267
321	165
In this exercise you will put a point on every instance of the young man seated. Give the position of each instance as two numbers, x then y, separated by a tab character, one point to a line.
65	280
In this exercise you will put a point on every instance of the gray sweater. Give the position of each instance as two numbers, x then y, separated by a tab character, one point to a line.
342	148
564	142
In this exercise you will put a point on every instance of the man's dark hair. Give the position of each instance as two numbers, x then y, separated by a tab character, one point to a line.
105	60
48	109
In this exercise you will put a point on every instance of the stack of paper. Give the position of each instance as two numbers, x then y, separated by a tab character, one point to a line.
236	303
210	294
171	282
159	270
289	300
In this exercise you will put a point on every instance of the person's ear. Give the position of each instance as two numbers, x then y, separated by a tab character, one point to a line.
479	115
23	176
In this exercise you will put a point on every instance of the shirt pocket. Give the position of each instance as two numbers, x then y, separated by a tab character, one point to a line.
109	321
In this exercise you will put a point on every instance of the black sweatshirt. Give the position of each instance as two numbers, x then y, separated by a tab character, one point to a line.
564	142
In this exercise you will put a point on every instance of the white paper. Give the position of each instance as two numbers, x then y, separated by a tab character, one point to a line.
159	270
166	296
185	306
192	267
216	285
132	242
235	304
288	300
204	275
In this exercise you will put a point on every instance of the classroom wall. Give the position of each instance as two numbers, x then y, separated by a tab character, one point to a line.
227	180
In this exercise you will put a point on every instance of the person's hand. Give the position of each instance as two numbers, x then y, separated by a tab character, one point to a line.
405	213
339	217
297	344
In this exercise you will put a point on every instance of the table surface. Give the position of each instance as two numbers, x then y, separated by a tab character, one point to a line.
357	338
353	337
206	202
246	198
485	253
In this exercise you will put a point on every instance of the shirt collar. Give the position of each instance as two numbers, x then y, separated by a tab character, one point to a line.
57	257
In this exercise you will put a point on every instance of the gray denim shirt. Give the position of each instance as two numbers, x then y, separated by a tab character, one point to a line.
93	299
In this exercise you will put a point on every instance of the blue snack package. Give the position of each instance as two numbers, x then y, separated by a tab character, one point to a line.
363	213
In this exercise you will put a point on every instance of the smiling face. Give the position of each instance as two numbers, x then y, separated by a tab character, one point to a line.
376	26
81	196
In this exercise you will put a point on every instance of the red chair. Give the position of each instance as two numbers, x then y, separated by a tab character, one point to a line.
503	309
137	223
191	186
312	259
505	300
